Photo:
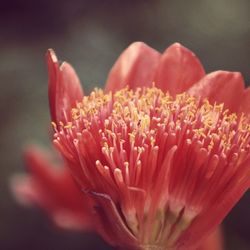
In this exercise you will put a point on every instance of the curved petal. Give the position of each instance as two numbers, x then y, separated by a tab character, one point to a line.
54	190
179	69
245	103
64	88
220	87
135	67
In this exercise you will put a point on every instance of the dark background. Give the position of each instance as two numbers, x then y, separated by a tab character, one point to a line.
90	35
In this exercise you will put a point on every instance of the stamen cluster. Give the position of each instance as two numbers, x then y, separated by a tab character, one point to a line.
163	161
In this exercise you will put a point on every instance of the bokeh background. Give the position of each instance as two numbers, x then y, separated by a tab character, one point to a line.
90	34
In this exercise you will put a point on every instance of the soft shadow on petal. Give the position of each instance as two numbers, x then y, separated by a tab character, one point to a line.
135	67
64	88
220	87
179	69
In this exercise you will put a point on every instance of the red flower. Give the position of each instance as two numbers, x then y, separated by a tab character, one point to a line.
162	163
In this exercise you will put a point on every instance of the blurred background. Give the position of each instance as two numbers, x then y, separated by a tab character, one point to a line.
90	35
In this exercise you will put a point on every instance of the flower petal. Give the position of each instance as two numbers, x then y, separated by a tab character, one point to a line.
64	88
220	87
245	103
206	223
179	69
54	190
135	67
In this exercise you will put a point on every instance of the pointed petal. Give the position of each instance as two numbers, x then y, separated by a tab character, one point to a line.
245	103
53	70
220	87
179	69
64	88
135	67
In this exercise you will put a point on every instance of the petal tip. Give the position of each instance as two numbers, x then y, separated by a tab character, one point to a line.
51	55
177	45
138	46
181	48
141	46
65	66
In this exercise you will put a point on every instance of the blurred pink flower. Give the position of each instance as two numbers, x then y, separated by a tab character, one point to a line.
161	155
52	188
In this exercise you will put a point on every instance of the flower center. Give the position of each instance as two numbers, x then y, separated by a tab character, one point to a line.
157	157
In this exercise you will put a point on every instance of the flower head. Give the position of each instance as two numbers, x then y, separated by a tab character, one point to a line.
164	163
162	153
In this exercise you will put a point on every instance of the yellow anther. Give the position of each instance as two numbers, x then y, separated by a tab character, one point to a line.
133	111
69	125
53	125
